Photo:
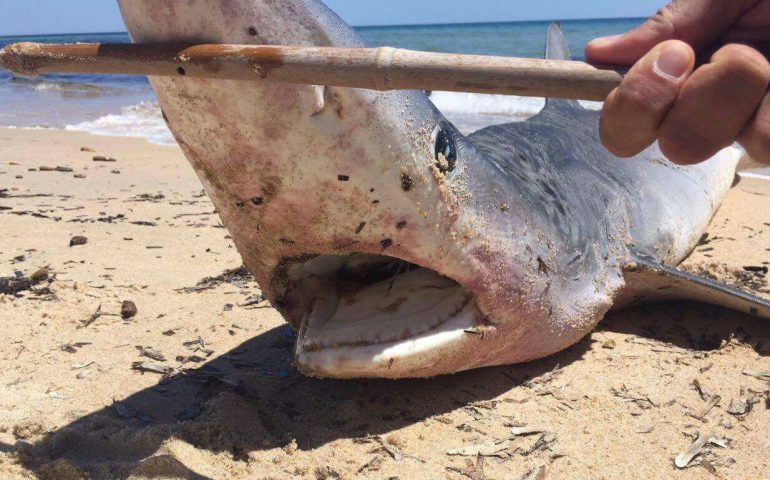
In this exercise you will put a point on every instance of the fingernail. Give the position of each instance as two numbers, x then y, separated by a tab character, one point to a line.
603	41
673	61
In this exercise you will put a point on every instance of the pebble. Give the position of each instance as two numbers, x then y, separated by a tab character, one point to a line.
101	158
116	172
80	175
128	310
78	240
87	149
64	169
39	276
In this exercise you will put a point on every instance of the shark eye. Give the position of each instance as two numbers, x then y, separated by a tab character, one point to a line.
445	148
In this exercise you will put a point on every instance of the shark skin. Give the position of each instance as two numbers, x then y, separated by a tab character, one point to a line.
396	246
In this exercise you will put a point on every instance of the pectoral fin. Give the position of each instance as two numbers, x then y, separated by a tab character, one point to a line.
649	281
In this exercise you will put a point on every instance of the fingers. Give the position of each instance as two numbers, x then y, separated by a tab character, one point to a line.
715	104
633	113
697	22
756	137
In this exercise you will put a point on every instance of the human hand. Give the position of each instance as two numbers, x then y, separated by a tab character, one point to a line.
693	111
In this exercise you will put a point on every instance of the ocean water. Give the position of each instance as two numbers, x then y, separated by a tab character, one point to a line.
126	106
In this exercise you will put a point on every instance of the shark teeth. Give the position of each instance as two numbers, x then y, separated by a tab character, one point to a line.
391	310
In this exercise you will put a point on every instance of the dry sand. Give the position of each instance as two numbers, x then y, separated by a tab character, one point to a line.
621	404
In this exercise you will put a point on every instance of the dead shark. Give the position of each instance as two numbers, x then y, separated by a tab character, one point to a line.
396	246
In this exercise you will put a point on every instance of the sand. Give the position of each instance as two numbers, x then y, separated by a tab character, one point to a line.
621	404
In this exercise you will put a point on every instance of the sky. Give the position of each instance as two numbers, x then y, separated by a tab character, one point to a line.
26	17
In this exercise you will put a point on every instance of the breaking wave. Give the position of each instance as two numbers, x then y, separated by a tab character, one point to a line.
469	111
143	120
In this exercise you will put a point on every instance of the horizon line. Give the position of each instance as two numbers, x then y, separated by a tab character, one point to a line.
586	19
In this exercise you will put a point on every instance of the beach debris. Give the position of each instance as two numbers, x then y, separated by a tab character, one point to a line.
147	197
538	473
78	240
327	473
642	401
198	345
116	172
743	406
102	158
473	470
14	285
703	411
373	465
525	431
87	149
764	375
73	347
128	310
190	359
609	344
711	402
152	368
20	283
764	270
143	223
45	168
684	459
151	353
80	366
252	301
94	317
64	169
498	449
80	175
543	443
235	276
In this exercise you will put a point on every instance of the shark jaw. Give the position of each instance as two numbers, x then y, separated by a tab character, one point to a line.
364	315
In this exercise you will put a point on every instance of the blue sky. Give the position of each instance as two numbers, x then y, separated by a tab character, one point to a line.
18	17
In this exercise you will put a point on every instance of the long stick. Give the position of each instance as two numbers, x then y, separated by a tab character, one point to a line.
379	69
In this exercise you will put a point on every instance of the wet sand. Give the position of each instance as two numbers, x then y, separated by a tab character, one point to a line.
82	396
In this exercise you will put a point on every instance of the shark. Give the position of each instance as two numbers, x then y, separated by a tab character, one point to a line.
396	246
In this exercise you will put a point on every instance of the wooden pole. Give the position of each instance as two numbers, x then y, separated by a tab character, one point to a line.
371	68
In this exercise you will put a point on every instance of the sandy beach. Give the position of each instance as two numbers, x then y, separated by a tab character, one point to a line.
197	382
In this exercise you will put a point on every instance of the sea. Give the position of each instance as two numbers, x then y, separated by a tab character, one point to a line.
124	105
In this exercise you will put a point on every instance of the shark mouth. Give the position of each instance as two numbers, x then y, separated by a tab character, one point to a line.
375	315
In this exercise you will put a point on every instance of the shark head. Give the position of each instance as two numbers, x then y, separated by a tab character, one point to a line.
381	233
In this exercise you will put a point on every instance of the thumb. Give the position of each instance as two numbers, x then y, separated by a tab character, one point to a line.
697	22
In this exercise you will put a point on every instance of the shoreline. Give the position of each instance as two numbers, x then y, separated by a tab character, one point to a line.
747	168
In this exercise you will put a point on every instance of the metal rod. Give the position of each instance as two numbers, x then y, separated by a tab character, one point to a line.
371	68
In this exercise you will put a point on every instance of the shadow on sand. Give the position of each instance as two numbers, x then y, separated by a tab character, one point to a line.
251	398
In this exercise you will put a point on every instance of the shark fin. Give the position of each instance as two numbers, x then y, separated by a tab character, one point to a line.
648	280
557	48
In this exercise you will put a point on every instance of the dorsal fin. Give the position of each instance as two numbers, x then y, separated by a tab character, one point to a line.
556	48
